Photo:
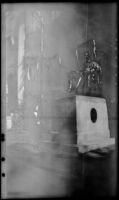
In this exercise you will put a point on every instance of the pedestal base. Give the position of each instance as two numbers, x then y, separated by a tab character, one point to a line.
89	145
92	124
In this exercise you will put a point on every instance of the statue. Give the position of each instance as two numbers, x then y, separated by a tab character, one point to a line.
87	80
93	72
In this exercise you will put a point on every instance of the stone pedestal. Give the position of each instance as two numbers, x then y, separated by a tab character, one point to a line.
92	123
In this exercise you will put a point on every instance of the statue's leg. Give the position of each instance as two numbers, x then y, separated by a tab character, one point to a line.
69	86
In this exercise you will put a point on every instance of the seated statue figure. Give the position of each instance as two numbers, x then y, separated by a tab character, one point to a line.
94	77
88	80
